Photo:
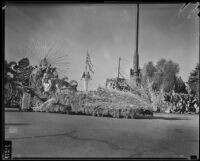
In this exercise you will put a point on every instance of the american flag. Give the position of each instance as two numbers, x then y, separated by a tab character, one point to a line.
89	63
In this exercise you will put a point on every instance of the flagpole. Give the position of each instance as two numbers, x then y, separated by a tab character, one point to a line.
86	73
86	84
86	64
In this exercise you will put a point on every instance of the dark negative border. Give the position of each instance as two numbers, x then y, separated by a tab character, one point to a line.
23	2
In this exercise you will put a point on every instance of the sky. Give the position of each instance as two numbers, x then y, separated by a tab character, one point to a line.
107	32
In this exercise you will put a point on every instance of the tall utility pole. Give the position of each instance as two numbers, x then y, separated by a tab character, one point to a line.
118	72
136	54
134	72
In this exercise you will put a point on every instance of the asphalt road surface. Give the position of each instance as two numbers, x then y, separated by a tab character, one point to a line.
36	134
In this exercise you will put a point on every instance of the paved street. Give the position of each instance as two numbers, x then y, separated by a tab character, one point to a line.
35	134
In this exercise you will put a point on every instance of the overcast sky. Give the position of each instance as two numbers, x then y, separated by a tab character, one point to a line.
107	31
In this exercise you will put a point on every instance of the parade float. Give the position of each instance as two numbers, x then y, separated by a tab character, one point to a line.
40	89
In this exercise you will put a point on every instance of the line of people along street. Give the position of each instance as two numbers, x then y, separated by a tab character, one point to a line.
182	103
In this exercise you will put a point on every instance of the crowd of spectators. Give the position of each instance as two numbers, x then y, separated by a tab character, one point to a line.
182	103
